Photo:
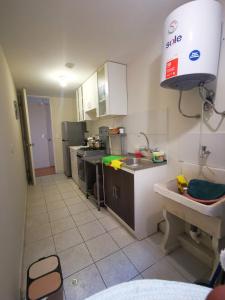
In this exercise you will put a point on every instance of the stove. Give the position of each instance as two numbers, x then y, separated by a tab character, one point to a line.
83	179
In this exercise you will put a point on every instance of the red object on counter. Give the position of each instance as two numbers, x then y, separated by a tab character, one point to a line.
138	154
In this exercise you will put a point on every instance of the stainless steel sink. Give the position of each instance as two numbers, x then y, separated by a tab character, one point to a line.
137	163
133	161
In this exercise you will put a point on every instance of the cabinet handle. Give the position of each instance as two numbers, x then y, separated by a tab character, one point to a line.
117	193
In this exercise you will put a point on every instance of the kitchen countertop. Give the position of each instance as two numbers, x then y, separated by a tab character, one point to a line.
147	165
76	147
94	159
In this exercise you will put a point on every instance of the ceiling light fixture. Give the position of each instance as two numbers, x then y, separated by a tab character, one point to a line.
69	65
63	81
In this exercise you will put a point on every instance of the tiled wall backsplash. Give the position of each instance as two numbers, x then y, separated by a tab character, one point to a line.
188	148
153	123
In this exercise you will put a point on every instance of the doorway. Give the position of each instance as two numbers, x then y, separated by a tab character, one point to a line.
41	135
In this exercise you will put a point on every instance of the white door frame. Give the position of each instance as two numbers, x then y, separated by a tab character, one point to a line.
52	129
27	138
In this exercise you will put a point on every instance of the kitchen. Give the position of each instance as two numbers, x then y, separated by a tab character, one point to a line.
105	94
113	58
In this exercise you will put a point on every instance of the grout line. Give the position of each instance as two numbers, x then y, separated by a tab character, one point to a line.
100	275
57	184
50	227
77	226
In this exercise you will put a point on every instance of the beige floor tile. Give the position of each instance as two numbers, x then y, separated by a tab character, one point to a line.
68	195
73	201
141	254
101	246
57	214
122	237
89	282
91	230
100	214
37	220
74	259
53	197
65	187
35	197
36	210
163	270
67	239
109	223
84	217
63	224
36	233
36	200
77	208
116	269
39	202
90	203
55	205
37	250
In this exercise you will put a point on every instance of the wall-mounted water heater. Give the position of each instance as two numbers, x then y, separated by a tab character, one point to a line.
192	37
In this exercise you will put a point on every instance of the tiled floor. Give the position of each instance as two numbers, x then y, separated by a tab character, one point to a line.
95	251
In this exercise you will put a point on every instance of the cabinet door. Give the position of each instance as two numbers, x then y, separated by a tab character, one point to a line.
77	105
119	193
117	86
81	106
93	91
102	92
85	95
108	187
126	206
90	93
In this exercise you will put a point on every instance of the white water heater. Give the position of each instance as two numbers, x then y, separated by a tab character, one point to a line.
191	47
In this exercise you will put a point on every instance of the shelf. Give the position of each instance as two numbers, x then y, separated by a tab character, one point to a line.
117	134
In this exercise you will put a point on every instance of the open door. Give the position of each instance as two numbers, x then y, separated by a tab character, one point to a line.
26	133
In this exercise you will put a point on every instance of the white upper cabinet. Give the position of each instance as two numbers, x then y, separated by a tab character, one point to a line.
90	93
103	94
112	90
79	104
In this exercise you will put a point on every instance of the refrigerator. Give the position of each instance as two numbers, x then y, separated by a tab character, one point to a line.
72	135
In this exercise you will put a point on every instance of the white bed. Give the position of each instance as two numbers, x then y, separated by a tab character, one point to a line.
152	289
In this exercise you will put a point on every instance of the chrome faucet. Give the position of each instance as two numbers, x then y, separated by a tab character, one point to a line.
147	141
204	152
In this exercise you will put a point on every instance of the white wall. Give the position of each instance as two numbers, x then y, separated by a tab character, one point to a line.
13	189
153	110
62	109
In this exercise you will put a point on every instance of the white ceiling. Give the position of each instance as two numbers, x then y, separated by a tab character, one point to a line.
40	36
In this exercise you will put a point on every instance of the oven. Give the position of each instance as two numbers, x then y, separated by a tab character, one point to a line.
86	171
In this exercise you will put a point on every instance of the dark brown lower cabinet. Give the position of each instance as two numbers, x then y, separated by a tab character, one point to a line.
119	193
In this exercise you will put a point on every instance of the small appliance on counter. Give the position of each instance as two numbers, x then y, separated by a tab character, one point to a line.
95	142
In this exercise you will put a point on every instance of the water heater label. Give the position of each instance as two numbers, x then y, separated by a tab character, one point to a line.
171	68
194	55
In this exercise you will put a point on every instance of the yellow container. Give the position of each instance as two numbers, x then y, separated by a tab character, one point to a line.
181	183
